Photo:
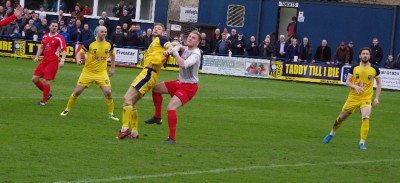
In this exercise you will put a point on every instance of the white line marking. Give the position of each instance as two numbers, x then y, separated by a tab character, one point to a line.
222	170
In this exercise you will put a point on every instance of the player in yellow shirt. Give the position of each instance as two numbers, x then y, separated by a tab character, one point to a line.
97	51
154	58
360	80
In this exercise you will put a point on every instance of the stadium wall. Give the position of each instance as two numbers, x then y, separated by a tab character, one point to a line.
332	21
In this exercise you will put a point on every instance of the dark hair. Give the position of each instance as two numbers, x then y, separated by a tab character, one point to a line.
365	48
54	22
159	24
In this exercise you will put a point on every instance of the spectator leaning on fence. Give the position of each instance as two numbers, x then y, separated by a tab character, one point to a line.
377	52
323	53
305	50
342	55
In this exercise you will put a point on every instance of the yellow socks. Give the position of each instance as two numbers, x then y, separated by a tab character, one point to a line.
110	105
71	102
364	128
135	120
126	116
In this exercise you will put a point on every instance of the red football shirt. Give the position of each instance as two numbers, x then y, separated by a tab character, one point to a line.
53	45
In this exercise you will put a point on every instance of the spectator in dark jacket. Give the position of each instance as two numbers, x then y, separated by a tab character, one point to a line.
350	46
292	50
43	28
86	33
342	55
148	38
125	18
390	64
75	32
252	47
117	37
215	39
266	49
204	44
305	50
107	22
323	53
377	52
10	28
223	46
132	38
238	46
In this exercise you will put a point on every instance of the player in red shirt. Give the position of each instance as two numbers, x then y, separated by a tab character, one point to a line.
17	13
52	44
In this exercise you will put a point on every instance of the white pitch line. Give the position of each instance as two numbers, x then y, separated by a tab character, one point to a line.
223	170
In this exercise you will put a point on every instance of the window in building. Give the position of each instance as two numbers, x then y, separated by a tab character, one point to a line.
114	8
235	16
52	5
146	10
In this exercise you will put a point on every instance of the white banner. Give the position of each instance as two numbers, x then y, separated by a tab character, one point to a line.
234	66
188	14
126	55
390	78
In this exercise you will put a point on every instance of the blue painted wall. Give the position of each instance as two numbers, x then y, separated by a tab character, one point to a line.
332	21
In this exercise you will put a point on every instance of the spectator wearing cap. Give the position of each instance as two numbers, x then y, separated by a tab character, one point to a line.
377	52
305	50
342	55
350	46
390	64
323	53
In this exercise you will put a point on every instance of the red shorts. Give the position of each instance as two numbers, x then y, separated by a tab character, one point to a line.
47	70
184	91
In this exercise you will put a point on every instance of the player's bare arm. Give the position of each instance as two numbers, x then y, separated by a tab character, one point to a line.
358	89
38	53
377	91
62	59
111	70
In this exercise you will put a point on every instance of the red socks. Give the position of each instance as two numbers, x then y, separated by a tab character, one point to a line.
157	101
172	121
46	92
39	85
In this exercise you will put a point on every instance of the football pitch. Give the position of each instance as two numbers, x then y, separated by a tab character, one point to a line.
234	130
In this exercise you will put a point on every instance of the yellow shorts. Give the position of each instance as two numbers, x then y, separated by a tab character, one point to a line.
100	79
352	104
145	81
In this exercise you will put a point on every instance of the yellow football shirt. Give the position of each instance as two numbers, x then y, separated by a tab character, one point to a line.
97	55
154	54
364	77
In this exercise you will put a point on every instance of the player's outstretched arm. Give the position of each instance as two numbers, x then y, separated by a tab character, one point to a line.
38	53
377	91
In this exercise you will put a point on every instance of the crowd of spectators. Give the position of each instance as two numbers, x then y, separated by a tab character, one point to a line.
33	25
290	49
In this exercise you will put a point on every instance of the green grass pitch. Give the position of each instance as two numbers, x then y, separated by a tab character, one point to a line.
235	130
